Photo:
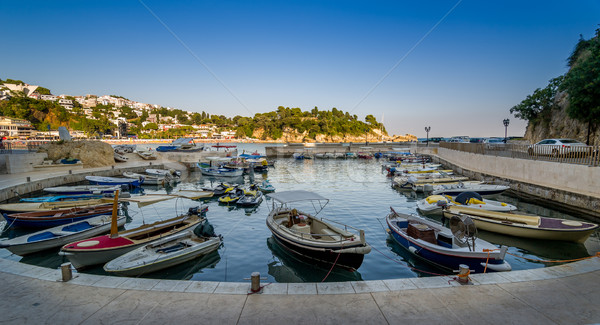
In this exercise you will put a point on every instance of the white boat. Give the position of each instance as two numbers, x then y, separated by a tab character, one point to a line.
120	157
455	189
146	154
105	180
83	189
45	206
175	174
60	235
435	203
315	238
148	179
227	172
165	252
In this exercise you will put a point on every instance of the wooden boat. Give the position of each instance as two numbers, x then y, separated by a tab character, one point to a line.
99	250
51	218
315	238
526	226
435	203
444	248
61	198
146	154
166	252
103	180
193	194
148	179
60	235
83	189
45	206
454	189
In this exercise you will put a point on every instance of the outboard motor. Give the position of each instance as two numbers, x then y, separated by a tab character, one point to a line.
205	229
193	211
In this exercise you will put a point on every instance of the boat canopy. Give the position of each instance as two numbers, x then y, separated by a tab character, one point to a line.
295	196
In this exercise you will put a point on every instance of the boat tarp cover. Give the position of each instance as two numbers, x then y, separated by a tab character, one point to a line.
294	196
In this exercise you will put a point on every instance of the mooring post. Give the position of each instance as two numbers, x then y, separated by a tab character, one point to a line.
28	179
67	274
463	274
255	282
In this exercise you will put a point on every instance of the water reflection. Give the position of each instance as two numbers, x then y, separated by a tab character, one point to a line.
287	267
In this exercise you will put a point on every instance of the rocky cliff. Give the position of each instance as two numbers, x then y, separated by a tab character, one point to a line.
557	124
91	153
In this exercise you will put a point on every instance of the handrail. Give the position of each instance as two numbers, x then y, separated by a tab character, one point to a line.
581	155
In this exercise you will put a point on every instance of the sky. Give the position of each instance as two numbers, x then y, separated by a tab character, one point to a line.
456	66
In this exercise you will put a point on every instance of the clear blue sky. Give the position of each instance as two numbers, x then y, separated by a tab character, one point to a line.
461	79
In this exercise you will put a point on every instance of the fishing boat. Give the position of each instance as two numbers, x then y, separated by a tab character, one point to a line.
163	172
435	203
250	198
181	145
45	206
146	154
60	198
99	250
51	218
148	179
298	155
454	189
446	248
60	235
83	189
103	180
166	252
221	172
518	225
266	186
311	237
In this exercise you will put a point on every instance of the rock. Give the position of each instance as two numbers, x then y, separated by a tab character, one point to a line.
91	153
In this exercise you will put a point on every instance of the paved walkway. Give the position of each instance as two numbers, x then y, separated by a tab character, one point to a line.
566	294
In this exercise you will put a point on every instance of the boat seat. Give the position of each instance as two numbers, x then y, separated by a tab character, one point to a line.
330	235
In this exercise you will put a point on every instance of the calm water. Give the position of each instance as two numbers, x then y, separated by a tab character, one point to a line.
360	195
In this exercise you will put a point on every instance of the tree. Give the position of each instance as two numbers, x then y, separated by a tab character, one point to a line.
541	100
43	91
582	83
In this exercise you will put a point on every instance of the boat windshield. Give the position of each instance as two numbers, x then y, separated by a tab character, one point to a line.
283	199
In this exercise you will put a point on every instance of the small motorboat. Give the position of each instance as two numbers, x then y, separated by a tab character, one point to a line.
454	189
45	206
166	252
446	248
222	172
60	198
231	196
120	157
148	179
164	172
298	155
83	189
146	154
266	186
70	161
51	218
517	225
351	155
60	235
434	203
99	250
315	238
250	198
103	180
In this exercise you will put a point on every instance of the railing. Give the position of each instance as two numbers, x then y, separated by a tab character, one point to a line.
20	146
581	155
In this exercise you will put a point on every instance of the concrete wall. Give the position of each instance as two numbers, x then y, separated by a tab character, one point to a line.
22	163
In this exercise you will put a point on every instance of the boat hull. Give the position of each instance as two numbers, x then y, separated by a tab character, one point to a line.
153	263
51	220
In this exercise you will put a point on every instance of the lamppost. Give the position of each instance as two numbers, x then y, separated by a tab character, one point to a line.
427	129
505	122
366	139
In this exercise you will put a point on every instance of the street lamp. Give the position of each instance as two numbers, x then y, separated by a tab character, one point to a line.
366	139
427	129
505	122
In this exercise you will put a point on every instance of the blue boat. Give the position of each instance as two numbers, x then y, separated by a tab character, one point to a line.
101	180
83	189
443	248
215	171
52	218
69	161
59	198
166	148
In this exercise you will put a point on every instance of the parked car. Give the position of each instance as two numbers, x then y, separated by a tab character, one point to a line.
557	147
493	140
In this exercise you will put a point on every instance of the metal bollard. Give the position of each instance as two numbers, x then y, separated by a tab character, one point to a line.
28	179
255	282
70	172
113	166
67	274
463	274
